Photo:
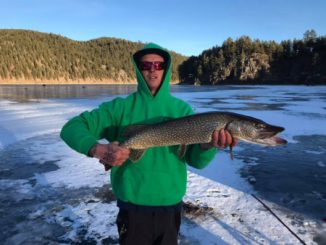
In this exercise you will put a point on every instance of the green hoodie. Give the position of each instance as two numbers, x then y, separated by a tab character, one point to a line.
159	177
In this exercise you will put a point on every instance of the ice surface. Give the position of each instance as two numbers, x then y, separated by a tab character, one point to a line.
236	217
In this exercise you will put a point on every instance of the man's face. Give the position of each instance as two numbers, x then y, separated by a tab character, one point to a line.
152	69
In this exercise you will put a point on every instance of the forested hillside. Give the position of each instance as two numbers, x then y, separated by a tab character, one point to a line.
253	61
31	56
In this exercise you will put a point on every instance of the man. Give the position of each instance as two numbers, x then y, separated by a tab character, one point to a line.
150	191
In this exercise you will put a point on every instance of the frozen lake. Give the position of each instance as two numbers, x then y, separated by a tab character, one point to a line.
47	189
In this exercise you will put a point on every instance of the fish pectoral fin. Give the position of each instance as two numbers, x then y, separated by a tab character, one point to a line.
231	152
136	155
182	151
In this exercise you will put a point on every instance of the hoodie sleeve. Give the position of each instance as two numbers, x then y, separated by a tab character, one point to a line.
199	158
82	132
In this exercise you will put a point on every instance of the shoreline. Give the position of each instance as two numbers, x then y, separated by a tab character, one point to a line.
69	82
62	82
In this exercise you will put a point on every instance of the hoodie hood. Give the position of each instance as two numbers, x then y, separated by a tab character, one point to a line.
142	85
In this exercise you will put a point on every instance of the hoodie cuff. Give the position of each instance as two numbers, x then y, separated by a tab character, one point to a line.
86	144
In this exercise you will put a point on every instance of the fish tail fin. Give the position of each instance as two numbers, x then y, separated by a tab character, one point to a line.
136	155
106	166
128	132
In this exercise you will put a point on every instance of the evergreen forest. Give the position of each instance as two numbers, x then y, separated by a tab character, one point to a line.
247	61
30	55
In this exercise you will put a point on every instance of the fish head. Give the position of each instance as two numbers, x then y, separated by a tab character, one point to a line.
255	131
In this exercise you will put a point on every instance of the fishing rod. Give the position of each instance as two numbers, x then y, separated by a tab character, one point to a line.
279	219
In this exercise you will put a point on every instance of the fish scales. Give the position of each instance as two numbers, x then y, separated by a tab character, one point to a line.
198	128
192	129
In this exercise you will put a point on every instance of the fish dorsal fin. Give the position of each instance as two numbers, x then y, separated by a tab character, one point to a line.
136	155
132	129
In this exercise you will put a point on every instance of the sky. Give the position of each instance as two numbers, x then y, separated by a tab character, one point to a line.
184	26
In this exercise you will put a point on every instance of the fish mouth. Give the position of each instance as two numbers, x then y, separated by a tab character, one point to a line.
272	141
267	136
269	131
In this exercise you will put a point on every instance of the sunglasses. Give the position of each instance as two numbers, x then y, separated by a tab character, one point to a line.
147	65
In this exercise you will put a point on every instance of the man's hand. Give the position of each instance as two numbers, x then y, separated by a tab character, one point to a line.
110	154
221	139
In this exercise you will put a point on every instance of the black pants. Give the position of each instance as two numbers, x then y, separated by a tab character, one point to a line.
148	228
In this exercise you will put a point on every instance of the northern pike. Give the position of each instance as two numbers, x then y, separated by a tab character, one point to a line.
198	128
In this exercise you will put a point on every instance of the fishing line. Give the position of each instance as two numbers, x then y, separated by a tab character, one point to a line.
279	219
